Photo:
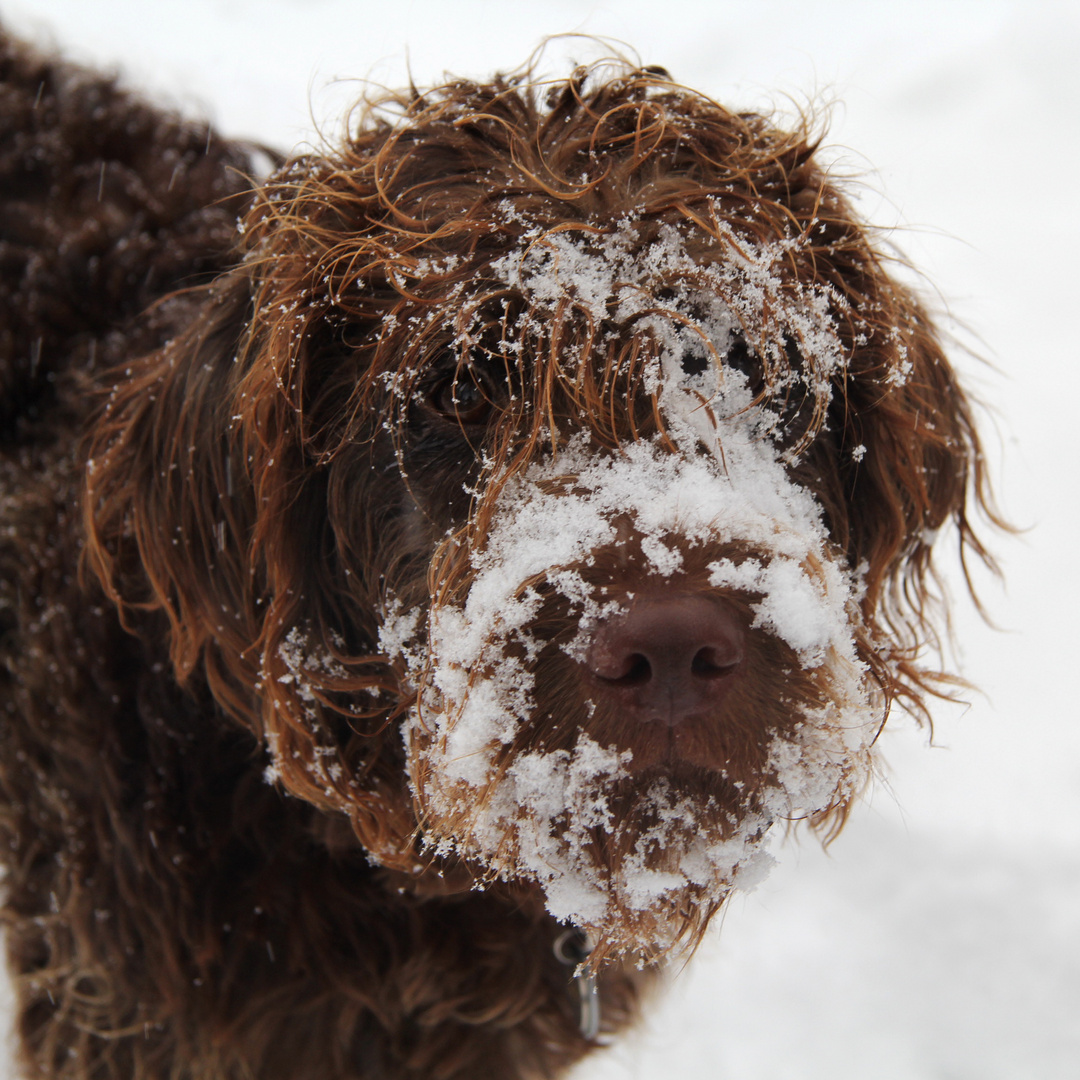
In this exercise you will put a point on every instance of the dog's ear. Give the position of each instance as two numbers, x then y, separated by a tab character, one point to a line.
167	512
206	502
902	460
912	464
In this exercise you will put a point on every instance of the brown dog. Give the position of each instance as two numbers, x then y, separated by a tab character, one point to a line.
445	578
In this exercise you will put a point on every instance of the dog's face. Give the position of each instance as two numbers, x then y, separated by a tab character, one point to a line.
643	647
591	463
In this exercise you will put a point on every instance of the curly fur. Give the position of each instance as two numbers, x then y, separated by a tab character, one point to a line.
231	455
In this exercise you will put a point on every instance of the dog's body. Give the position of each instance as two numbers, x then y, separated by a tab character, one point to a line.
578	437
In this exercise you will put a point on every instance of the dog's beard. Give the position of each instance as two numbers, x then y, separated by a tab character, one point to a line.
633	861
637	860
638	863
640	854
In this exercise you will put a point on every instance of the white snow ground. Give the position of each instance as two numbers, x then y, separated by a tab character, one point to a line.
940	936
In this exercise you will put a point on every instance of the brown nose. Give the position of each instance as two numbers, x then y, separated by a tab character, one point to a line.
668	659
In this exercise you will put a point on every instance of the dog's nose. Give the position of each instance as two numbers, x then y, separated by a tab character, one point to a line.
667	660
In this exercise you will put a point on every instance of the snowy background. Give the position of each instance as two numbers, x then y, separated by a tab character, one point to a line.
939	938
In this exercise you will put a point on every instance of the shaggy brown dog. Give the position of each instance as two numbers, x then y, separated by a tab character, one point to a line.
445	576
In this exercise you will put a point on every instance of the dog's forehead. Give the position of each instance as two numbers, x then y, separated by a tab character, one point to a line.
687	294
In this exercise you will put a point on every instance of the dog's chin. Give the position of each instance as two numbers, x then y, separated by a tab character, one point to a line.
647	888
637	858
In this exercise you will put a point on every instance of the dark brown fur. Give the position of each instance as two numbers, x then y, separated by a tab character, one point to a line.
168	912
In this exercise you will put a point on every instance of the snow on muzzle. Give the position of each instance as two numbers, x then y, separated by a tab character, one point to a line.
636	854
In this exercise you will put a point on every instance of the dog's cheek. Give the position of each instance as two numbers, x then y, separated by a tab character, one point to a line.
381	537
441	472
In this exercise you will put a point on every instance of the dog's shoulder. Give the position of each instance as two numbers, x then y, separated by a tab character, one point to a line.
107	203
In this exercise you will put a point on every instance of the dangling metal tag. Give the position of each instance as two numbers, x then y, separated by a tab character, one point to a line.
572	949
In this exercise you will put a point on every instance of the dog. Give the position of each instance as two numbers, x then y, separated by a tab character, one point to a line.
432	574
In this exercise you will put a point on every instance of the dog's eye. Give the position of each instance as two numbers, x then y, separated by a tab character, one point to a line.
695	361
739	356
464	397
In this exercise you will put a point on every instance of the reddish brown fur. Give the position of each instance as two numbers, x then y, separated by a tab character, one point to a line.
168	913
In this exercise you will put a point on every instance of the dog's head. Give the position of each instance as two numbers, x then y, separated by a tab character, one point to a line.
553	487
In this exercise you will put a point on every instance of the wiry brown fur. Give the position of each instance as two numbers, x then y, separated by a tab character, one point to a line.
248	471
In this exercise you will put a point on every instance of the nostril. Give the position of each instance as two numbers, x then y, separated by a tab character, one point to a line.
715	663
635	670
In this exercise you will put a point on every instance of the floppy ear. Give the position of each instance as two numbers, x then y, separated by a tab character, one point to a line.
206	502
911	464
166	508
902	459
